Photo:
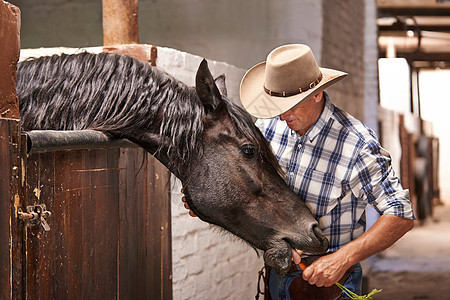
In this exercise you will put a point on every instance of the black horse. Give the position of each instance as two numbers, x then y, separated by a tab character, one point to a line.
229	174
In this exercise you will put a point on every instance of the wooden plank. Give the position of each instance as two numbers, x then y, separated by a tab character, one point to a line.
163	191
144	282
70	207
153	234
19	243
145	242
107	228
100	229
44	268
47	242
5	200
158	234
11	235
33	235
130	199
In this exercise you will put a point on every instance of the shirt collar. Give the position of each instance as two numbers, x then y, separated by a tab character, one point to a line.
322	121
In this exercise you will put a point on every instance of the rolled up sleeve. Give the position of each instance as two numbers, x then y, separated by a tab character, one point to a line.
373	180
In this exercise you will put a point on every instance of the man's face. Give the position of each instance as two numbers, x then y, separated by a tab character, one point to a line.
303	116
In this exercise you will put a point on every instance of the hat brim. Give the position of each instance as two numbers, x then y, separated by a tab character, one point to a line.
261	105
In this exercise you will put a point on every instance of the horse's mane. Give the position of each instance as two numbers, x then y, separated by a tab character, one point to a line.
121	96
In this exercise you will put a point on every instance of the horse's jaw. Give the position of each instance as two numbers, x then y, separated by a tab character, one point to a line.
273	239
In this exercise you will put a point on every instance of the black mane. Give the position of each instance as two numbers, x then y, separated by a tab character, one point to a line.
124	97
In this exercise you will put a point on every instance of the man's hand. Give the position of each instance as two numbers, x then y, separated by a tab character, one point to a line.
326	270
191	213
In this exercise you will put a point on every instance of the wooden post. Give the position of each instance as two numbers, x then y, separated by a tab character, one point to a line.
9	55
120	22
11	235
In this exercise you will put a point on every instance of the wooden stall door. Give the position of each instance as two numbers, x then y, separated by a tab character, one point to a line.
109	234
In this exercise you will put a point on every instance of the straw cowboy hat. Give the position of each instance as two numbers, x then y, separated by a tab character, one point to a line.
289	76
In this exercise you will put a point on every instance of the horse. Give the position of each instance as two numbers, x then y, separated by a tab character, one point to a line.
230	176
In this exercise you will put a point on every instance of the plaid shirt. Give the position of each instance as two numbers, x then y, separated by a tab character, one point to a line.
338	167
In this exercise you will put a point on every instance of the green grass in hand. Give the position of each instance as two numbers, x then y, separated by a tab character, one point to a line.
354	296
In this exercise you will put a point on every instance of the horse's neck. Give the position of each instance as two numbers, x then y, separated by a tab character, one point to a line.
151	142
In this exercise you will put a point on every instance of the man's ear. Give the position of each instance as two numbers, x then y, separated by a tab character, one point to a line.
220	83
206	88
318	97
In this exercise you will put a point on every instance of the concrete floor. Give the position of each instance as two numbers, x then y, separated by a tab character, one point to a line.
418	265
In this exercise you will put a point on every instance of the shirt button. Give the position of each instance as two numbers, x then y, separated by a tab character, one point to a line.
299	146
292	174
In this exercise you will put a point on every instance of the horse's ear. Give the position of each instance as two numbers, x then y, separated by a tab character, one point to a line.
220	83
206	88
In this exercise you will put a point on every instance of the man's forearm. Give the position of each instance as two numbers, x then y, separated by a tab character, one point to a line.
383	234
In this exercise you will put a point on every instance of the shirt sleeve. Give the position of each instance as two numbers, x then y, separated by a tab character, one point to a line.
373	180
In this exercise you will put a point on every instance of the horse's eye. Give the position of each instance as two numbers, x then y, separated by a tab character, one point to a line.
248	151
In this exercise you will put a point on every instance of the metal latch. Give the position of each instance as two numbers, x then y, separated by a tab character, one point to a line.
35	215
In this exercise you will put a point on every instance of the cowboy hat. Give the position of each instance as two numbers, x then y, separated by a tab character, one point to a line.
288	76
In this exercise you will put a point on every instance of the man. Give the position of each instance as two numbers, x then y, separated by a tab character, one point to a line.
332	161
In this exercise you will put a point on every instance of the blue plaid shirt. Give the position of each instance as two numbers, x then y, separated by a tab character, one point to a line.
338	167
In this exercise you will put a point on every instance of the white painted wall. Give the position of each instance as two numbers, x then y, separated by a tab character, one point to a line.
434	92
395	84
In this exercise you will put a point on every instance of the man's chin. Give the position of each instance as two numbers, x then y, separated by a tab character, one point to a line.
292	125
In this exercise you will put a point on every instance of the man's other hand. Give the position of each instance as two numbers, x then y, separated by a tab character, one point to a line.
191	213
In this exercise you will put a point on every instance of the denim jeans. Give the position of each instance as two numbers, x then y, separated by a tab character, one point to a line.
279	285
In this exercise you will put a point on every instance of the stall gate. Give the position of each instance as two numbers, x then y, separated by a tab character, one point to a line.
83	223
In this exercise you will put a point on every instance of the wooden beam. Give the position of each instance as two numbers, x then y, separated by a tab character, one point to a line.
437	28
439	58
417	4
120	22
407	11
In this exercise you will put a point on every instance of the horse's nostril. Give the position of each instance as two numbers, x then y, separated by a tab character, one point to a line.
320	236
317	232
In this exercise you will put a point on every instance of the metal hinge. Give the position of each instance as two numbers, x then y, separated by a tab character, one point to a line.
35	215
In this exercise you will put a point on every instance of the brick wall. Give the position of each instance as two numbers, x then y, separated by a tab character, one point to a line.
343	49
370	66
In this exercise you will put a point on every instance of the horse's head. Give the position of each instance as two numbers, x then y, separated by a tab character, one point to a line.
237	184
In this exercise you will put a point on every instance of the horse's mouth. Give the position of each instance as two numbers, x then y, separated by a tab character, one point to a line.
280	255
318	245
